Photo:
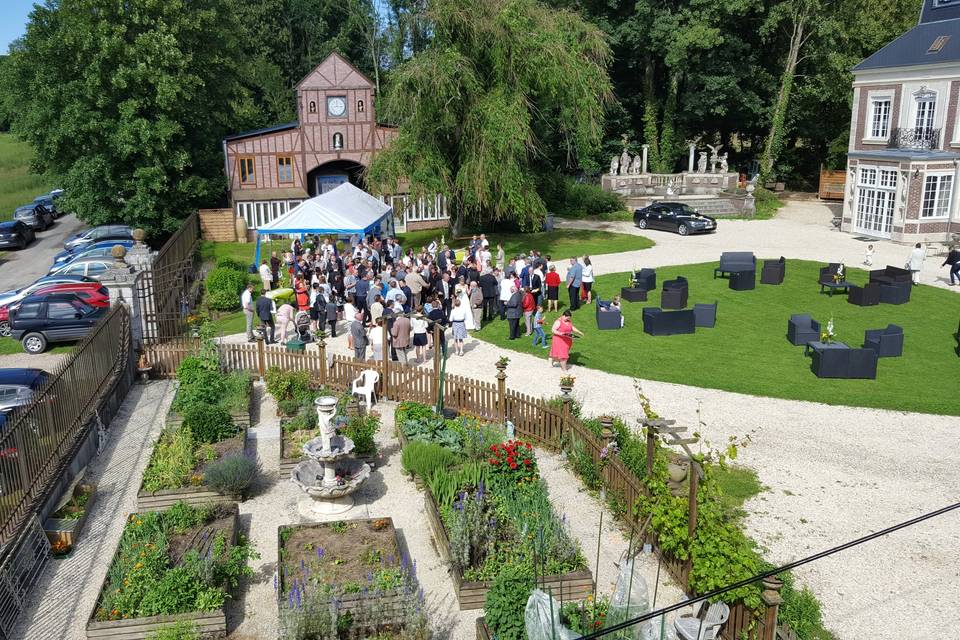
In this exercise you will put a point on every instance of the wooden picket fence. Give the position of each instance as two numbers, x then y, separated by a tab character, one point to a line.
534	419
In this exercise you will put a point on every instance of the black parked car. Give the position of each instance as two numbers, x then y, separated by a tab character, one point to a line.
50	202
673	216
15	235
35	215
58	317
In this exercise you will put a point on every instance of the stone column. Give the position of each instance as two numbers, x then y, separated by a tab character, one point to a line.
693	154
646	147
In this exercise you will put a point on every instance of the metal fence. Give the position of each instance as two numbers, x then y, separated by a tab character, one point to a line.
41	437
168	289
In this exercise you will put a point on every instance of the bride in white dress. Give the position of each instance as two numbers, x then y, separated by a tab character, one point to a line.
465	303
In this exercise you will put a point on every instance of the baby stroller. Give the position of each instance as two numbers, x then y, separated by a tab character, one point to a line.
302	323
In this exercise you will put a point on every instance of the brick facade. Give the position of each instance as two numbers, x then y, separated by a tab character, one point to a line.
862	121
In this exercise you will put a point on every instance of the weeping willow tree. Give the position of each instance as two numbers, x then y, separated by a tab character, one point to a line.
476	107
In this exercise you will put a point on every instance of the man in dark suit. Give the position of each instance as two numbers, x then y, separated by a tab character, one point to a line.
490	288
513	312
265	314
445	289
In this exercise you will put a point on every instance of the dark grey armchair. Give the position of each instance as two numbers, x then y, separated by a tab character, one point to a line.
645	279
675	293
608	317
801	329
896	293
773	271
888	343
705	315
866	296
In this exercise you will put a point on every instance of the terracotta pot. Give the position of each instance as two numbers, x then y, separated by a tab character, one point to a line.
240	226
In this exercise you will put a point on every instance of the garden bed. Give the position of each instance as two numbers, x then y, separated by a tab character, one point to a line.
349	575
241	417
170	455
572	585
173	566
64	526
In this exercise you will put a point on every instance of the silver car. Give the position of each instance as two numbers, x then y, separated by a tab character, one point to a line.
18	386
92	267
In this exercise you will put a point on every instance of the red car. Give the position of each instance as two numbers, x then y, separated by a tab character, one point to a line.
93	293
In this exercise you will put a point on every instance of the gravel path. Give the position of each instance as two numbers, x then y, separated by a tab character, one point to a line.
62	601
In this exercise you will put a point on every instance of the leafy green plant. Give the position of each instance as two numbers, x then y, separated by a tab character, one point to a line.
423	458
182	630
362	429
194	370
231	263
208	423
171	462
224	286
231	475
236	392
506	601
289	385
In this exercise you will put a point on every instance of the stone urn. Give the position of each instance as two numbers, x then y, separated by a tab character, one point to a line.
240	226
677	470
606	425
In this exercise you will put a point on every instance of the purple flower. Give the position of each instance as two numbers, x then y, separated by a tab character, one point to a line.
301	565
290	599
320	553
298	597
274	583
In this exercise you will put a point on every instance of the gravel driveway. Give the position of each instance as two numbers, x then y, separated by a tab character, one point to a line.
20	268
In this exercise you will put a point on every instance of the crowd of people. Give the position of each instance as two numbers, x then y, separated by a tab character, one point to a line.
374	282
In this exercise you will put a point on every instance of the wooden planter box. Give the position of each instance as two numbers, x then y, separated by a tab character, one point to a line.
575	585
210	624
390	604
242	420
483	631
67	530
166	498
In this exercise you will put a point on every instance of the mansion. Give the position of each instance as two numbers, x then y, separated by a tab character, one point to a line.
903	160
335	138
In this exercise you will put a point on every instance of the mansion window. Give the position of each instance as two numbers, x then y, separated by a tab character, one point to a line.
248	174
937	196
926	109
338	141
285	169
880	119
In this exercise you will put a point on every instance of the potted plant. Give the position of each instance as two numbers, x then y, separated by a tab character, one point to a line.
566	384
502	363
677	469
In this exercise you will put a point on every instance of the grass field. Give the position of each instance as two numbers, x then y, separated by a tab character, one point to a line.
748	351
10	346
17	185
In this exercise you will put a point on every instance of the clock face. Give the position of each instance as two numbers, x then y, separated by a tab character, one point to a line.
336	106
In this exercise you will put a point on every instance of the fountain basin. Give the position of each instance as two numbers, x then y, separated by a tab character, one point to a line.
339	446
309	476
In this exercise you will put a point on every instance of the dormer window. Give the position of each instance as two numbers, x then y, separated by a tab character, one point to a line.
313	107
338	141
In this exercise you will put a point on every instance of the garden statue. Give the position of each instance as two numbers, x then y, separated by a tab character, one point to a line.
636	165
714	156
624	163
702	162
724	166
614	164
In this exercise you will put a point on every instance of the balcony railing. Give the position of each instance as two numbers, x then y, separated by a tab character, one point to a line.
922	139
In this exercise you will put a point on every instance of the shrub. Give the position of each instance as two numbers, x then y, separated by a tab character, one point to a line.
289	385
362	429
195	370
423	458
230	263
223	288
208	423
506	601
231	475
567	198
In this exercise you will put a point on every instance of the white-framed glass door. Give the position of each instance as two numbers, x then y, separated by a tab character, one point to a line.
876	197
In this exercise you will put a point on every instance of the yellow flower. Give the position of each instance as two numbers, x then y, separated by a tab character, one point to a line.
139	565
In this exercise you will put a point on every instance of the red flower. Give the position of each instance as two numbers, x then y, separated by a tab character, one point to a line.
526	462
529	446
513	465
493	447
493	461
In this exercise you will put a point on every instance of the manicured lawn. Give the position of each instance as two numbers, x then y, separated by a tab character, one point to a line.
558	244
748	351
10	346
17	185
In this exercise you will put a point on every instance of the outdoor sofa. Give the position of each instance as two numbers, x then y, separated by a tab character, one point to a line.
658	322
890	275
840	361
733	261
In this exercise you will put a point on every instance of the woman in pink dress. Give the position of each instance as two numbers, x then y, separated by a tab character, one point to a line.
563	332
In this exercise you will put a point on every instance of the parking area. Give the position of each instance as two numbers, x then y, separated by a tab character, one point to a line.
22	267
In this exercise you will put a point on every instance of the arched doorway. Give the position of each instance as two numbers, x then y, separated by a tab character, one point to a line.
332	174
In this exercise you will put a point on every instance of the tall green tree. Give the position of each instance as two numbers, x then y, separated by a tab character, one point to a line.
125	104
474	107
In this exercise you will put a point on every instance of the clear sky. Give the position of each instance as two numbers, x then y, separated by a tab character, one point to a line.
13	20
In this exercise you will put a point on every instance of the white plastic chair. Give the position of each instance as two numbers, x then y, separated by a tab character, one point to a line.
707	628
366	386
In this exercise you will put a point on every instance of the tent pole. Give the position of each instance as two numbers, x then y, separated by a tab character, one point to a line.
256	257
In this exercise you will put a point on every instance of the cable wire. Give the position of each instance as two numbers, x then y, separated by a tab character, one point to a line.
787	567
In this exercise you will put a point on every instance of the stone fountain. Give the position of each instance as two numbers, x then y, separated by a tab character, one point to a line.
329	474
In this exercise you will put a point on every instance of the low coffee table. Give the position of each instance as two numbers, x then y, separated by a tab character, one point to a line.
833	286
816	345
